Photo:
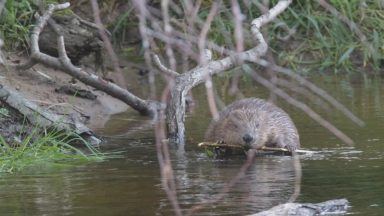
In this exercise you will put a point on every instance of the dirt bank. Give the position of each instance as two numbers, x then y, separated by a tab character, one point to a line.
38	84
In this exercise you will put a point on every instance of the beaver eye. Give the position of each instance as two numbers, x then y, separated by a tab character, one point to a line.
234	126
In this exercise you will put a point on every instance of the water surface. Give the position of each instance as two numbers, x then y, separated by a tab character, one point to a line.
130	185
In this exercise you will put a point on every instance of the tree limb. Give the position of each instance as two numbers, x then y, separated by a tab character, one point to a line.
63	63
186	81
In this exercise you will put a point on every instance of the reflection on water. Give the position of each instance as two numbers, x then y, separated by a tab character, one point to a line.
131	186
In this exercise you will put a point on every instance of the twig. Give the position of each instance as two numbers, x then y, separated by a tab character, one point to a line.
43	75
239	17
108	46
320	92
303	107
206	56
63	63
218	144
186	81
164	69
352	25
145	41
168	31
278	23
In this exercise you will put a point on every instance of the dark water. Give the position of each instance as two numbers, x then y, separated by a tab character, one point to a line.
131	185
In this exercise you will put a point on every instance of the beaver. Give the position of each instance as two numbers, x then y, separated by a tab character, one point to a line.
254	123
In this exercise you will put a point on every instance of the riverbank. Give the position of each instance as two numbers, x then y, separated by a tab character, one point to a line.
40	85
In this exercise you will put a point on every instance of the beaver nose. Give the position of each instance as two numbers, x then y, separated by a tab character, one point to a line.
247	138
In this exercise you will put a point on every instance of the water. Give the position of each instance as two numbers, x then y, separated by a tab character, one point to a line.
131	185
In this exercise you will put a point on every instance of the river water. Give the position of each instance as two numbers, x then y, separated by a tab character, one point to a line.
130	185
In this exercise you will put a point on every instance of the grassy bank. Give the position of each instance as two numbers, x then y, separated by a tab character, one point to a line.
38	150
322	42
325	43
24	146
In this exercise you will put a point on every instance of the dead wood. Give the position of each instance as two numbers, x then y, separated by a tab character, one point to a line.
74	90
330	207
63	63
44	118
190	79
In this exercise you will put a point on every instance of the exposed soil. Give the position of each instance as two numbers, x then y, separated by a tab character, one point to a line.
38	85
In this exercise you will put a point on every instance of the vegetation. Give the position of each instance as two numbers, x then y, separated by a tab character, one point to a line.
325	43
321	42
39	150
15	23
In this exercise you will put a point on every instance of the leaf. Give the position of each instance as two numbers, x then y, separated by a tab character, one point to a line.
345	55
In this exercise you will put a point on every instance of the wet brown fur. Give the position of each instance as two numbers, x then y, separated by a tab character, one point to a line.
266	123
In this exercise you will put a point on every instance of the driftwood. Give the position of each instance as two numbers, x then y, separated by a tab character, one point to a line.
337	206
44	118
74	90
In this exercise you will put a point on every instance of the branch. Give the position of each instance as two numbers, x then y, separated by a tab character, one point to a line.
352	26
107	44
188	80
163	68
44	118
330	207
63	63
320	92
299	105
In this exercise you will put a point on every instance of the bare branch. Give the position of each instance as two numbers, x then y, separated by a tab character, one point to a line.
239	17
186	81
204	32
168	30
63	63
108	46
303	107
146	40
206	56
320	92
164	69
352	25
278	23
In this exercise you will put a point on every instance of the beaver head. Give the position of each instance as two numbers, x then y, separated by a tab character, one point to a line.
243	127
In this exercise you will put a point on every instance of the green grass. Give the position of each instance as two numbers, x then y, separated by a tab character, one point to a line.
39	150
15	23
323	43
